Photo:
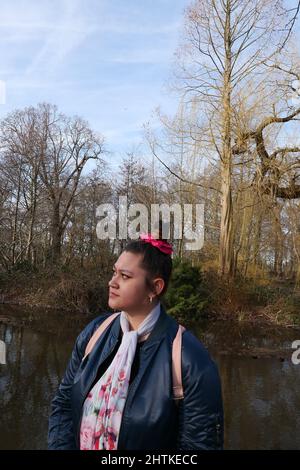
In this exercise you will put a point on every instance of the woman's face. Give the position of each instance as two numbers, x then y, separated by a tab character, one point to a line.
127	287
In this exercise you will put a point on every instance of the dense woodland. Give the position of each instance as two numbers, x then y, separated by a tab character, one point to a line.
233	145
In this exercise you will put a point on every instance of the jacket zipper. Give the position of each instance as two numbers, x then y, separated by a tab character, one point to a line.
218	431
130	390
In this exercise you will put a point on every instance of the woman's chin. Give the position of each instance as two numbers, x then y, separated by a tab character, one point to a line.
113	302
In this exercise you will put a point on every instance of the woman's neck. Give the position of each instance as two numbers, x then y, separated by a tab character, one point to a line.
135	319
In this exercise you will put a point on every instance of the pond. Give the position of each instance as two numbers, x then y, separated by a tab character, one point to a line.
261	385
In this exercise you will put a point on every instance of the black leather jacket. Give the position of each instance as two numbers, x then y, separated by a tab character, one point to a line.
151	419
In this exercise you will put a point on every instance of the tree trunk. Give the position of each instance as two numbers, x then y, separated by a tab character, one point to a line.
56	231
33	194
226	232
16	214
226	229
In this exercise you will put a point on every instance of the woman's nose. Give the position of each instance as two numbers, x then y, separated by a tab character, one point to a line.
111	282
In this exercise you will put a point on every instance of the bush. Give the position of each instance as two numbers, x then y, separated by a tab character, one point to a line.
186	297
24	266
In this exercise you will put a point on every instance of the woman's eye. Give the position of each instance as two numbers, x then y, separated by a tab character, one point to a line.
123	275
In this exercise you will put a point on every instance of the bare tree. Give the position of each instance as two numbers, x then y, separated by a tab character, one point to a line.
226	46
54	148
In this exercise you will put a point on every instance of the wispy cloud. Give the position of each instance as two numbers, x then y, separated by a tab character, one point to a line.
105	60
65	36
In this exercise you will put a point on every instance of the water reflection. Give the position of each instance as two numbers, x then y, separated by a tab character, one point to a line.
35	364
262	403
261	396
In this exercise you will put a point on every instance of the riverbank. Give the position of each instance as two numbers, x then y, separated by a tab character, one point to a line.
192	295
271	341
258	315
70	289
43	319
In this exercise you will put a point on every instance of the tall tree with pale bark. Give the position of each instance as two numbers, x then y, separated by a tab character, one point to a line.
226	46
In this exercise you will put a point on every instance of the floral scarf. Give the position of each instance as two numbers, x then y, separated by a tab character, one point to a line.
104	405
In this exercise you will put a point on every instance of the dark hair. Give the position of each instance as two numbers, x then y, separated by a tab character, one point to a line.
154	262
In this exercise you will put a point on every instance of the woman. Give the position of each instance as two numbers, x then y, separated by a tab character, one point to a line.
119	395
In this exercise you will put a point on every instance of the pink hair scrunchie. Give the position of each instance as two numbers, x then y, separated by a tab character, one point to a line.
163	246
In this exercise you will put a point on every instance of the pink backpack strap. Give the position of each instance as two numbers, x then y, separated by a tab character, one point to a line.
176	365
96	335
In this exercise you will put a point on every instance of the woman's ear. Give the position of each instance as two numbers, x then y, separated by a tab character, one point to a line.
158	285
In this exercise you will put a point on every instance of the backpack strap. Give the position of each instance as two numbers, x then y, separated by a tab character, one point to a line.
176	354
96	335
176	365
98	332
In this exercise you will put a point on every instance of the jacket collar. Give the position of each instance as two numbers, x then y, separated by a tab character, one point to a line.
156	334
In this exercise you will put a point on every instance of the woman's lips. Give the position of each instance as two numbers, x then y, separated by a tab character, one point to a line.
112	294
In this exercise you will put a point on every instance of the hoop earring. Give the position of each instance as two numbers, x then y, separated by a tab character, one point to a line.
150	299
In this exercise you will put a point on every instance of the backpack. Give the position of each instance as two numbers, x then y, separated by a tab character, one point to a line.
176	354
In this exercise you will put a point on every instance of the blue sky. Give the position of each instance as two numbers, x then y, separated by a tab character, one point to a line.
107	60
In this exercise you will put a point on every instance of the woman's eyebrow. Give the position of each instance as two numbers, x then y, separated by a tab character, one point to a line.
123	270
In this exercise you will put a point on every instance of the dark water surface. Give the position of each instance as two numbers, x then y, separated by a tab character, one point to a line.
261	394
